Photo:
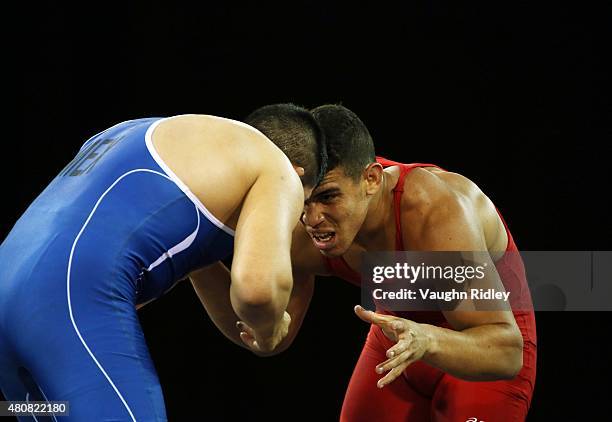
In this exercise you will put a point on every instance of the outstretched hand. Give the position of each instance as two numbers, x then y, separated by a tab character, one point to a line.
412	342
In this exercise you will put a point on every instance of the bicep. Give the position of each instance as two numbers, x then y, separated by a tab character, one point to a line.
452	227
269	213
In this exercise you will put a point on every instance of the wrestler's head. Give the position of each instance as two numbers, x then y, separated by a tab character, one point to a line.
339	204
296	132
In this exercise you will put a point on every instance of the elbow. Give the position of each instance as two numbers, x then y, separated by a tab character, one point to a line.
514	356
246	294
247	299
259	290
513	367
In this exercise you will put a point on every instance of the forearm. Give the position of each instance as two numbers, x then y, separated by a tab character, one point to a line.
303	288
483	353
212	285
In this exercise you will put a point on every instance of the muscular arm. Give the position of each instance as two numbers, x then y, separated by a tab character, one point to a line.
212	285
303	288
484	345
306	263
261	268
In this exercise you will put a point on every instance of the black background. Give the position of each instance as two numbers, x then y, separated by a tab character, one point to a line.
514	95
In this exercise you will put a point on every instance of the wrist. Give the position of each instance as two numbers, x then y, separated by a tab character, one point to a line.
431	336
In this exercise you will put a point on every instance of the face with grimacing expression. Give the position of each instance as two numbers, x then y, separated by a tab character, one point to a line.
337	207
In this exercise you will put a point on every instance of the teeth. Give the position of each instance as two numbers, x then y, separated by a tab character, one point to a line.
323	237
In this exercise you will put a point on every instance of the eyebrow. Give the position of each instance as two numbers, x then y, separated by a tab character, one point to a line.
328	191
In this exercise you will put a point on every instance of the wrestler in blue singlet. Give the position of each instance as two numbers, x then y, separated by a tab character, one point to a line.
114	229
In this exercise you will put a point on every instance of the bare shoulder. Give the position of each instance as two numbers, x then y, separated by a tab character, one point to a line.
429	189
433	195
222	134
220	159
203	143
207	122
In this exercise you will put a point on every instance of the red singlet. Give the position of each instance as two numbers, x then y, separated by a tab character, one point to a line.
425	393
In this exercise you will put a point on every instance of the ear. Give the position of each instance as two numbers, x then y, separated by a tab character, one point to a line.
298	170
373	175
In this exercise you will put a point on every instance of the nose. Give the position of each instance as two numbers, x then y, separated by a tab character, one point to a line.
312	216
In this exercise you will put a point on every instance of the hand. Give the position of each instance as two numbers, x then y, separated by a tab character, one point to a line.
412	342
264	346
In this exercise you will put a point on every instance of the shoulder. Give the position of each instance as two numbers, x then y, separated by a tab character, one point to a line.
208	122
221	160
247	145
427	192
436	191
438	207
223	132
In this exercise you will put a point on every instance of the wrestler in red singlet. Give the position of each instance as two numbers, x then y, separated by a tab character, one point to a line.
425	393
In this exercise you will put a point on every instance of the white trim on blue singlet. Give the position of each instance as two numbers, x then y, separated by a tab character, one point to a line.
27	400
179	247
179	182
74	244
45	396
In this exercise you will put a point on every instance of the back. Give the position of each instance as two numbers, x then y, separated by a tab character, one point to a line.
113	209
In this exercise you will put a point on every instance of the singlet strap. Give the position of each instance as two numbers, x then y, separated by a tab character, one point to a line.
398	190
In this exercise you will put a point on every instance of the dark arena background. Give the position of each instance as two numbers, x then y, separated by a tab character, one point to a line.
514	95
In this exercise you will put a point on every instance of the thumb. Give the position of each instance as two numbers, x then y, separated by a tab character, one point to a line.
365	315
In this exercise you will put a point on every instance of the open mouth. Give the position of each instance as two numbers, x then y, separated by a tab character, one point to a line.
324	240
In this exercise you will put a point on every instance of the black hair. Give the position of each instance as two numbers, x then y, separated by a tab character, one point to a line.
296	132
349	144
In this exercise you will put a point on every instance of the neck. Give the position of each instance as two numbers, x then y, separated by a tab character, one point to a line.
374	229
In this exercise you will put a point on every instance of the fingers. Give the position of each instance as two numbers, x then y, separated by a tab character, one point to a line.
386	322
371	317
249	341
394	373
363	314
243	327
400	347
394	362
247	335
287	323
